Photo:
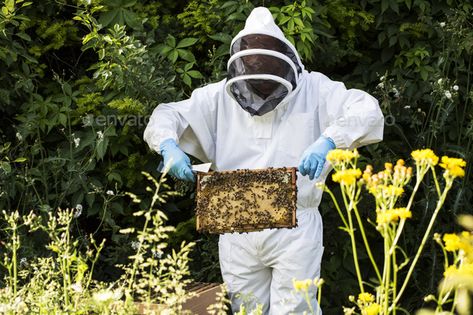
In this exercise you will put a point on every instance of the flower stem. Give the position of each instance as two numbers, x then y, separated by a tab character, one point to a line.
353	245
365	241
408	207
424	239
336	206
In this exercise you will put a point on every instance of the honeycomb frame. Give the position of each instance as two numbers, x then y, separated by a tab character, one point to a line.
246	200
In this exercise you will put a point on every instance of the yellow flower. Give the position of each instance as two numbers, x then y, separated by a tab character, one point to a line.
339	156
392	215
452	242
425	157
403	213
346	177
461	271
301	285
384	191
372	309
453	166
365	297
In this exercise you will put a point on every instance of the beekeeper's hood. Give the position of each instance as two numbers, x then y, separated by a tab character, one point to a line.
264	67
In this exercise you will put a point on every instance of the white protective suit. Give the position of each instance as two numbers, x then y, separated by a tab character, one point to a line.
212	126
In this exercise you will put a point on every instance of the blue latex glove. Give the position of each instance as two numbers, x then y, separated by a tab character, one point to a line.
180	166
313	158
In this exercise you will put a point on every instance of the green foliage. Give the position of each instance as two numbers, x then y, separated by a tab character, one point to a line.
61	282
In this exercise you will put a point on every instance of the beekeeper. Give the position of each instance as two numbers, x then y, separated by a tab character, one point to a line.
268	112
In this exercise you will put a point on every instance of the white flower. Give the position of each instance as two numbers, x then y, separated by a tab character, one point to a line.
103	296
78	211
110	192
100	135
455	88
439	81
407	107
23	262
382	78
380	85
76	140
77	287
442	24
135	245
19	136
396	92
448	95
157	254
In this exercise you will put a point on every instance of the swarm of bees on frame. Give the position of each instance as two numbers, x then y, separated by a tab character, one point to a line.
246	200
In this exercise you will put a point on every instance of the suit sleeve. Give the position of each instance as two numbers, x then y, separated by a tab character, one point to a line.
351	118
191	123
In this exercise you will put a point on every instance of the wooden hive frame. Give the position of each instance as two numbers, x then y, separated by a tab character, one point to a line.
246	200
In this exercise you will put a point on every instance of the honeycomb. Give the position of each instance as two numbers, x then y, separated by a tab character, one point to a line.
246	200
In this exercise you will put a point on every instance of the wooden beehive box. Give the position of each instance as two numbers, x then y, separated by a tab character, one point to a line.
246	200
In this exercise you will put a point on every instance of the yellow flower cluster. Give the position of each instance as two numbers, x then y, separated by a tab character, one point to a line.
347	177
301	285
387	184
304	285
389	191
453	166
463	241
338	156
372	309
461	271
392	215
425	157
365	298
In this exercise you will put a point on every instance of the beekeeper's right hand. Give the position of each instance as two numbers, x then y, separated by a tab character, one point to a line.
176	160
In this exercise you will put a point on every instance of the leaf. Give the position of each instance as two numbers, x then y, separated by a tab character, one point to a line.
284	20
186	55
67	89
171	41
101	53
394	6
173	56
62	118
187	79
222	37
195	74
24	36
188	66
132	20
384	5
20	160
186	42
164	49
108	17
101	148
6	167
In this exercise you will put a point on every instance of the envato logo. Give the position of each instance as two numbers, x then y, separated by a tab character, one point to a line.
122	120
352	122
143	120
